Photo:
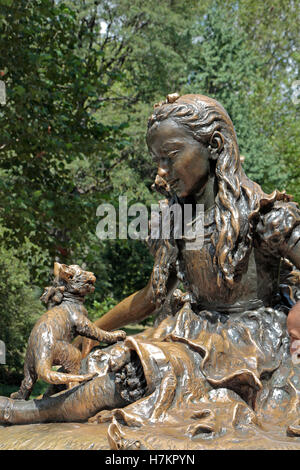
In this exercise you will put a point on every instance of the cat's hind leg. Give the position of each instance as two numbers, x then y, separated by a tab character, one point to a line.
26	386
69	357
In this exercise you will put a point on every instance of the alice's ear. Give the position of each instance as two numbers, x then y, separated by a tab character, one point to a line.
216	144
56	269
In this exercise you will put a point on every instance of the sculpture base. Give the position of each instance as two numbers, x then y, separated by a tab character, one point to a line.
88	436
54	436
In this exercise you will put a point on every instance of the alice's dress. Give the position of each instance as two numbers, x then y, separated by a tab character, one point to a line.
218	369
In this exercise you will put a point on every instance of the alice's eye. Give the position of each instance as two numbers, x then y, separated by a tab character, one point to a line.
173	153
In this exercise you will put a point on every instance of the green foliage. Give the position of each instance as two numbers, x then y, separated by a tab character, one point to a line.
98	309
54	79
224	65
272	29
20	308
122	267
81	78
39	388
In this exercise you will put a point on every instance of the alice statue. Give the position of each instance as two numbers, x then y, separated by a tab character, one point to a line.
215	370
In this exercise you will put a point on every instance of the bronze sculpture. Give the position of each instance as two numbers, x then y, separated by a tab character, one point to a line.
293	326
215	371
50	340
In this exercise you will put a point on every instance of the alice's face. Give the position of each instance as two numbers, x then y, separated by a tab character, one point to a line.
183	162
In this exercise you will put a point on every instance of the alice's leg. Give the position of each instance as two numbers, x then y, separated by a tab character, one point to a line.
75	405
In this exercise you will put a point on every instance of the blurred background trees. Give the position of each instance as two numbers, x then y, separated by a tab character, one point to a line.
81	78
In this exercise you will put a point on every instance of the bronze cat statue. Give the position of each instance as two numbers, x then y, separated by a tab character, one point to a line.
50	340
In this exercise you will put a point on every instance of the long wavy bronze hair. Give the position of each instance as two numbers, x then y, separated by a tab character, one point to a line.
238	198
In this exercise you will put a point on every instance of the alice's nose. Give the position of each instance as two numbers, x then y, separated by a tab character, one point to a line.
162	172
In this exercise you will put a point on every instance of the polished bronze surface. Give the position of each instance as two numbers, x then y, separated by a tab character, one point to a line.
215	371
50	340
293	325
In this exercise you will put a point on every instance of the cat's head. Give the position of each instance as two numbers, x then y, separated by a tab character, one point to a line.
74	279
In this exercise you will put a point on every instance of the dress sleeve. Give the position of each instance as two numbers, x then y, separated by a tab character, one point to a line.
278	231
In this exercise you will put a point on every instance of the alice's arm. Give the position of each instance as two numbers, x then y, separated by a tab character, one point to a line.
133	309
136	307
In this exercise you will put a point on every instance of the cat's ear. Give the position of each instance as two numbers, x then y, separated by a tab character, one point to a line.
62	271
66	272
56	270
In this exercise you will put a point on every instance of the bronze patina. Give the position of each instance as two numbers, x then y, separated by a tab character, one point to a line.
215	371
49	343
